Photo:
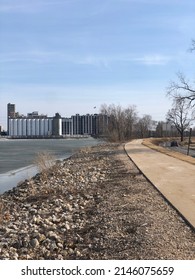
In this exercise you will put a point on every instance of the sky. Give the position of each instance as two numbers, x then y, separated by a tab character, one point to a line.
71	56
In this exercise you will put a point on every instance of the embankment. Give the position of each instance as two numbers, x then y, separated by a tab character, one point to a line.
94	205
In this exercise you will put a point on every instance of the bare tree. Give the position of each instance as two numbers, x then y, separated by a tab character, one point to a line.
159	129
180	116
121	121
182	90
130	121
143	126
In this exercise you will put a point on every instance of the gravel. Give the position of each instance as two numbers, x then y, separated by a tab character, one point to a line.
94	205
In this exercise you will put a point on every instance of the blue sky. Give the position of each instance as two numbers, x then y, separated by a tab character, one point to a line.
69	56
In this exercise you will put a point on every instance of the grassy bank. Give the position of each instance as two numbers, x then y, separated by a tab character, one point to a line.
154	143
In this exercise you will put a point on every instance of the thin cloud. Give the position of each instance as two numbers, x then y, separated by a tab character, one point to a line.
154	59
38	56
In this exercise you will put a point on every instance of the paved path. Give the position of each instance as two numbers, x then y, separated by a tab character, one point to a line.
174	178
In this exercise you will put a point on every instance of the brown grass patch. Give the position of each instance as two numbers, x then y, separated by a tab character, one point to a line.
153	143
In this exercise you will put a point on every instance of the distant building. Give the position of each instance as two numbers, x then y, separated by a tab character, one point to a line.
11	110
32	125
165	129
35	115
152	128
169	130
76	122
35	125
87	124
28	127
10	113
57	125
67	126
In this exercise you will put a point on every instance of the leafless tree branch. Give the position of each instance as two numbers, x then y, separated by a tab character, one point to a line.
192	48
182	90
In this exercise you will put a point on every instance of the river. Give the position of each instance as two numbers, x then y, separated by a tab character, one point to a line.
17	157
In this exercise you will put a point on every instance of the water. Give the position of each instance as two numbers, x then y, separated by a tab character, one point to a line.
17	156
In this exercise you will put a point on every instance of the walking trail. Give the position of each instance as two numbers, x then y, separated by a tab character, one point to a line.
174	178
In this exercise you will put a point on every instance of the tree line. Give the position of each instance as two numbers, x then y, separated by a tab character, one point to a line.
124	123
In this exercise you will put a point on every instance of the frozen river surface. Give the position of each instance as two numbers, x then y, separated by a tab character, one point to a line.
17	156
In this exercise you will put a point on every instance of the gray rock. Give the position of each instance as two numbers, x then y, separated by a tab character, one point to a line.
69	218
60	245
33	211
67	226
68	207
34	242
53	236
70	251
53	246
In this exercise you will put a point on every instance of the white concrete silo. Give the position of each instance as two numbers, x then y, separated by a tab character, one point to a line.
24	131
37	126
33	127
19	127
28	127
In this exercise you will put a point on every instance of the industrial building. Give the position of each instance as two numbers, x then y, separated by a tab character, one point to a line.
36	126
10	113
24	127
67	126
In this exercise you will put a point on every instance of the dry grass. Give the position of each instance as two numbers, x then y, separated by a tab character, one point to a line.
45	163
153	143
47	167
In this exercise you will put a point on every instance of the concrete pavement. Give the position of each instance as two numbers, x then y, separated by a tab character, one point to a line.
174	178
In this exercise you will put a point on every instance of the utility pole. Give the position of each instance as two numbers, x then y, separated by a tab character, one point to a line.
189	141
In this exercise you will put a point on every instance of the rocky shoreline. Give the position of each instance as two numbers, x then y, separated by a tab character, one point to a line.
94	205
